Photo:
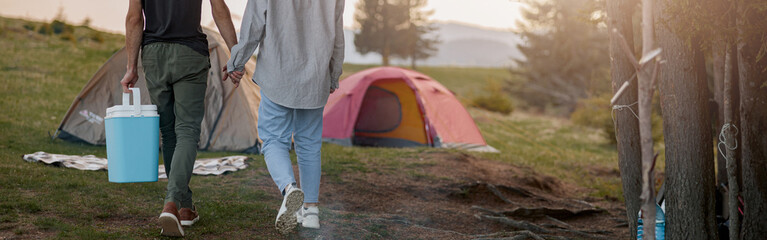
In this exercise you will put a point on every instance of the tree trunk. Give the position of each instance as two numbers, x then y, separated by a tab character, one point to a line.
731	121
385	54
645	83
723	46
684	99
729	144
414	38
735	106
386	51
718	49
753	113
619	15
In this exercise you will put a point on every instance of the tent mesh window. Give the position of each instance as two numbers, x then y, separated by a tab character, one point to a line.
380	111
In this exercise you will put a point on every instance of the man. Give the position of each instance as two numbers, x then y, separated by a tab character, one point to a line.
299	62
175	59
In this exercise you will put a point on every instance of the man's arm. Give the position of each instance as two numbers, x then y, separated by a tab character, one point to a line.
337	59
223	21
253	24
134	30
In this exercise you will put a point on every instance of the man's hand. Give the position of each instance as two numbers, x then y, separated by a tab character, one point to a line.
236	76
129	80
226	74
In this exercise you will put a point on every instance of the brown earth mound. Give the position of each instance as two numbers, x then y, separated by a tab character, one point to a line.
460	196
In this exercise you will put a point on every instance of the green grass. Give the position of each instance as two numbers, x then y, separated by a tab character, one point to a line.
41	75
553	147
465	82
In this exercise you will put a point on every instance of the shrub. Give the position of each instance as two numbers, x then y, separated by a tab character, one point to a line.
45	29
60	27
596	112
30	26
495	103
68	36
494	99
96	36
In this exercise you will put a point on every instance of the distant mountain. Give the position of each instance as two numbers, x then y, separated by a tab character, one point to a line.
462	45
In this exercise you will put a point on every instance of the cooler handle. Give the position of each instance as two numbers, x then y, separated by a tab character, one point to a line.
126	100
136	101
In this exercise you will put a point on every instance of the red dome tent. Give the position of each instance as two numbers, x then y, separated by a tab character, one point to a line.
394	107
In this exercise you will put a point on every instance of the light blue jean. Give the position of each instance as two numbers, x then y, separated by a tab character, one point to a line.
276	125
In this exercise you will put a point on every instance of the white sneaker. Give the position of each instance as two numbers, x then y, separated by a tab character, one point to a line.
309	217
291	202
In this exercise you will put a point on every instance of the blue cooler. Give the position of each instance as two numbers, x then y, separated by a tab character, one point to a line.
133	140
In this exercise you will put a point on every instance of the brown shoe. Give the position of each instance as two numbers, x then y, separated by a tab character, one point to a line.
169	221
188	216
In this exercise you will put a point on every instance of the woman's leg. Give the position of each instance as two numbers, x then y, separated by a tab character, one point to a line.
275	126
308	138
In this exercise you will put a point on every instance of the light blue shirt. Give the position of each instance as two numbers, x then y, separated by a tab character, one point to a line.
301	49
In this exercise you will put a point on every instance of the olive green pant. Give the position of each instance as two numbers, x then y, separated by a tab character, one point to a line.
177	77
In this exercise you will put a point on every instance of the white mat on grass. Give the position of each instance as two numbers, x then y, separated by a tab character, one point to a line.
204	166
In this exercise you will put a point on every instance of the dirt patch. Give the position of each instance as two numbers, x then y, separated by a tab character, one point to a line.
543	183
463	197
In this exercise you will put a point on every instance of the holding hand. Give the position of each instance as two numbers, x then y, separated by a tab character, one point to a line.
129	81
236	76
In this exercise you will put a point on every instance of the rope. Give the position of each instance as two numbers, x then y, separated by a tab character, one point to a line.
723	139
621	108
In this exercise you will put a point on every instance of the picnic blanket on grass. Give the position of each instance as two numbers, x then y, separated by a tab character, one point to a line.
204	166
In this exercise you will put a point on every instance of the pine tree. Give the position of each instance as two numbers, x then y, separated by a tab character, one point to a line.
381	24
416	37
565	53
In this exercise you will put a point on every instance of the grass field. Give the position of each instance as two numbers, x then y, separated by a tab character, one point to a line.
464	81
40	75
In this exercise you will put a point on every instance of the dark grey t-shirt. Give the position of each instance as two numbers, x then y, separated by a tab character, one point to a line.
174	21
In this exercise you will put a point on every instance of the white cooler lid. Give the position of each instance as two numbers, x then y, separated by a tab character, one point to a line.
130	111
135	110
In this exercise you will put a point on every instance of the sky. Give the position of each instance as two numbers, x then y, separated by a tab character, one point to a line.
109	15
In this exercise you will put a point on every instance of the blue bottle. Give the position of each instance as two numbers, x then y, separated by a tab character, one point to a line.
660	224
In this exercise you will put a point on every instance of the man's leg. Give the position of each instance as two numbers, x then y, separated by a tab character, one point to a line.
308	137
161	65
190	71
275	127
167	128
161	93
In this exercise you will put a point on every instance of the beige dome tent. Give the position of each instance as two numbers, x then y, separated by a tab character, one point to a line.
230	113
